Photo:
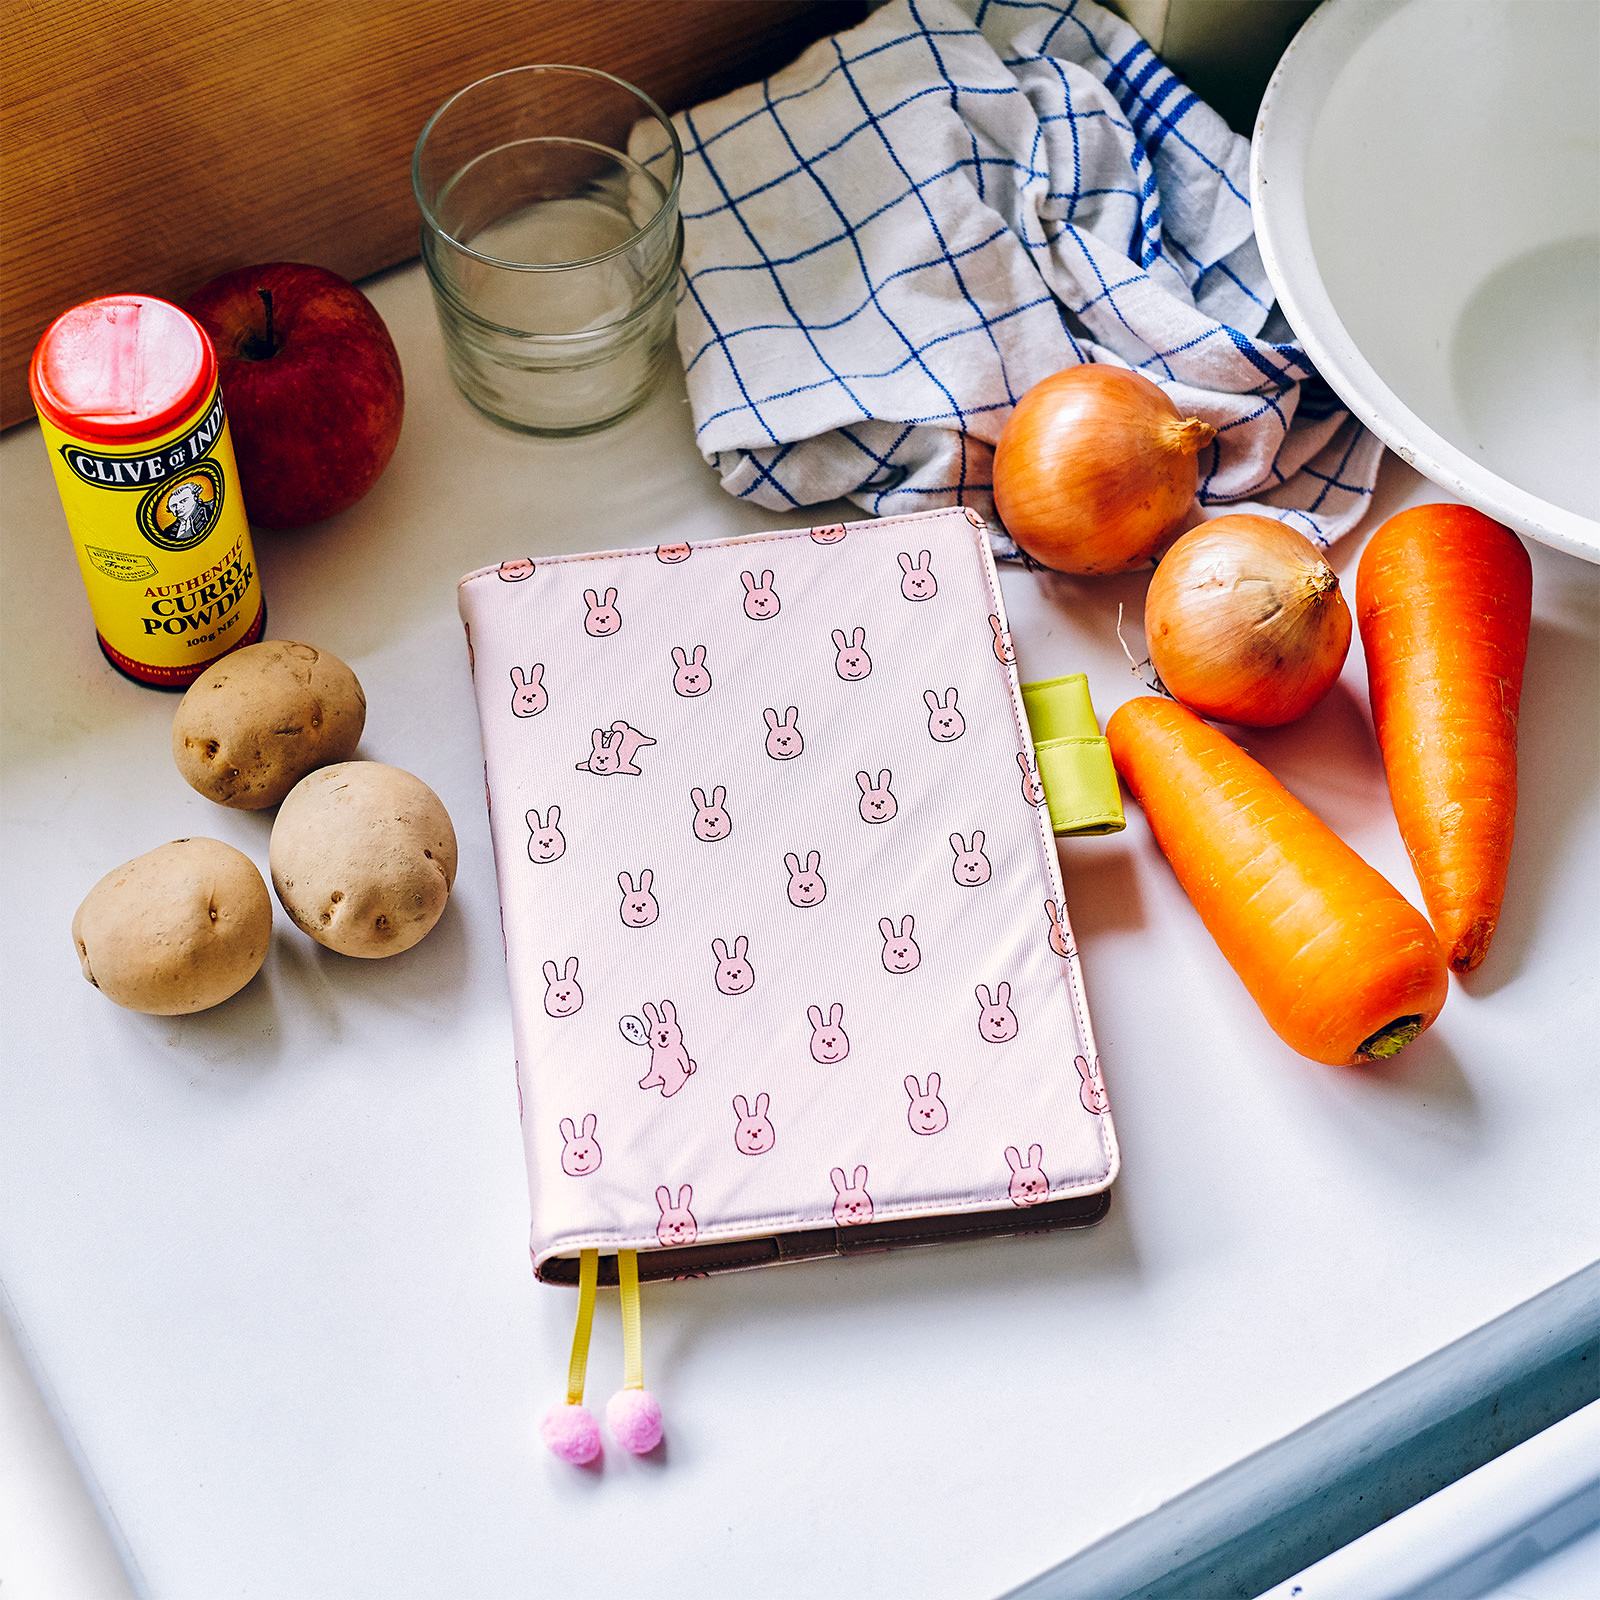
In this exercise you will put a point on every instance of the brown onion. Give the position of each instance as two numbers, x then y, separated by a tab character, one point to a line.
1095	468
1245	622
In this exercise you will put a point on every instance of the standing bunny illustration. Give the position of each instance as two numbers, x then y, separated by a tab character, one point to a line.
853	662
926	1114
1032	789
754	1135
900	952
711	822
971	867
1029	1186
852	1204
944	721
516	569
580	1154
1003	653
603	757
691	678
677	1224
997	1022
1060	935
603	617
805	888
783	738
528	697
670	1066
918	582
1092	1087
546	842
760	599
639	908
828	1041
562	996
734	974
876	804
629	742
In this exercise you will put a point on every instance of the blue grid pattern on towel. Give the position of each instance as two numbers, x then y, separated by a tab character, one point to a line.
889	242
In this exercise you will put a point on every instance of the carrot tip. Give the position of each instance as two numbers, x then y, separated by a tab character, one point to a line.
1390	1040
1472	946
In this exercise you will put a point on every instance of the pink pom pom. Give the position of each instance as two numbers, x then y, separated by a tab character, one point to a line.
634	1418
572	1433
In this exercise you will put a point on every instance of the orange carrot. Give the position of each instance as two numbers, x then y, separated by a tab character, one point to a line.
1343	967
1443	597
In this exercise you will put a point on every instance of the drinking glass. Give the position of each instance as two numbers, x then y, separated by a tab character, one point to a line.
553	254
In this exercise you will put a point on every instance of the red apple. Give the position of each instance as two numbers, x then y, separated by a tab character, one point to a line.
312	387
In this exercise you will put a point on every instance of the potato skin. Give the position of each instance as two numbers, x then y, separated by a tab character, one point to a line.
254	723
363	857
178	929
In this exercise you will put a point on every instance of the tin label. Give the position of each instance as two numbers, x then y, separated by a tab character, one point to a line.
163	545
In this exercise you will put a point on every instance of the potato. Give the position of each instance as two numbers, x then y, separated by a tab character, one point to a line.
363	857
253	724
175	930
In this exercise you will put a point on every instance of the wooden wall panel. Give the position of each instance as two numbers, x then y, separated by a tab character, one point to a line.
149	146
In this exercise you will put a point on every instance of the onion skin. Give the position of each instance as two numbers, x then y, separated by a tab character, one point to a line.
1095	469
1245	623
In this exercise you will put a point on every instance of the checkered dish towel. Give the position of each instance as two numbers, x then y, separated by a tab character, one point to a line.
888	243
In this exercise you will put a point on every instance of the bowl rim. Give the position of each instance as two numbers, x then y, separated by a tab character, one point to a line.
1290	110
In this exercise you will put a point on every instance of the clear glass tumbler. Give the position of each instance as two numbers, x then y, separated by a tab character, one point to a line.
552	253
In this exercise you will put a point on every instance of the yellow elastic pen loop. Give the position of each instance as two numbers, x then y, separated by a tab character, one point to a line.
588	1277
632	1331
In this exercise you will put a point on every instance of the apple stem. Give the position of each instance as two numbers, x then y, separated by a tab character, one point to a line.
261	346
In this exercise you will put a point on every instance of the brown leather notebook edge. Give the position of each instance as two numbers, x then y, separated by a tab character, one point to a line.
809	1244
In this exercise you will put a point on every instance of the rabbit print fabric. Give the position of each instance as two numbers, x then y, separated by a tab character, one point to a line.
780	905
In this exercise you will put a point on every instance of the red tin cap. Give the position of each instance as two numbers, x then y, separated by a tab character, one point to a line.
123	368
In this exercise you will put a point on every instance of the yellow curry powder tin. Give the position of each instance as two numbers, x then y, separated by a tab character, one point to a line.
129	404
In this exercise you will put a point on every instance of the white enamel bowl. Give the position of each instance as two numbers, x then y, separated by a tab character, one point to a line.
1425	176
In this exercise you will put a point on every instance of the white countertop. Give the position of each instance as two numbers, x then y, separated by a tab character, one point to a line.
271	1261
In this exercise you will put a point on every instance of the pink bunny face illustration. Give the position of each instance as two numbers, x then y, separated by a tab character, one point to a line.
604	754
562	996
783	738
1003	653
677	1224
926	1113
761	601
528	697
828	1041
516	570
876	804
829	535
1060	936
806	887
997	1022
918	582
944	721
638	908
580	1154
754	1135
734	974
1029	1186
671	554
603	617
971	866
691	678
1032	789
852	1204
1091	1087
711	822
900	952
546	842
853	662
